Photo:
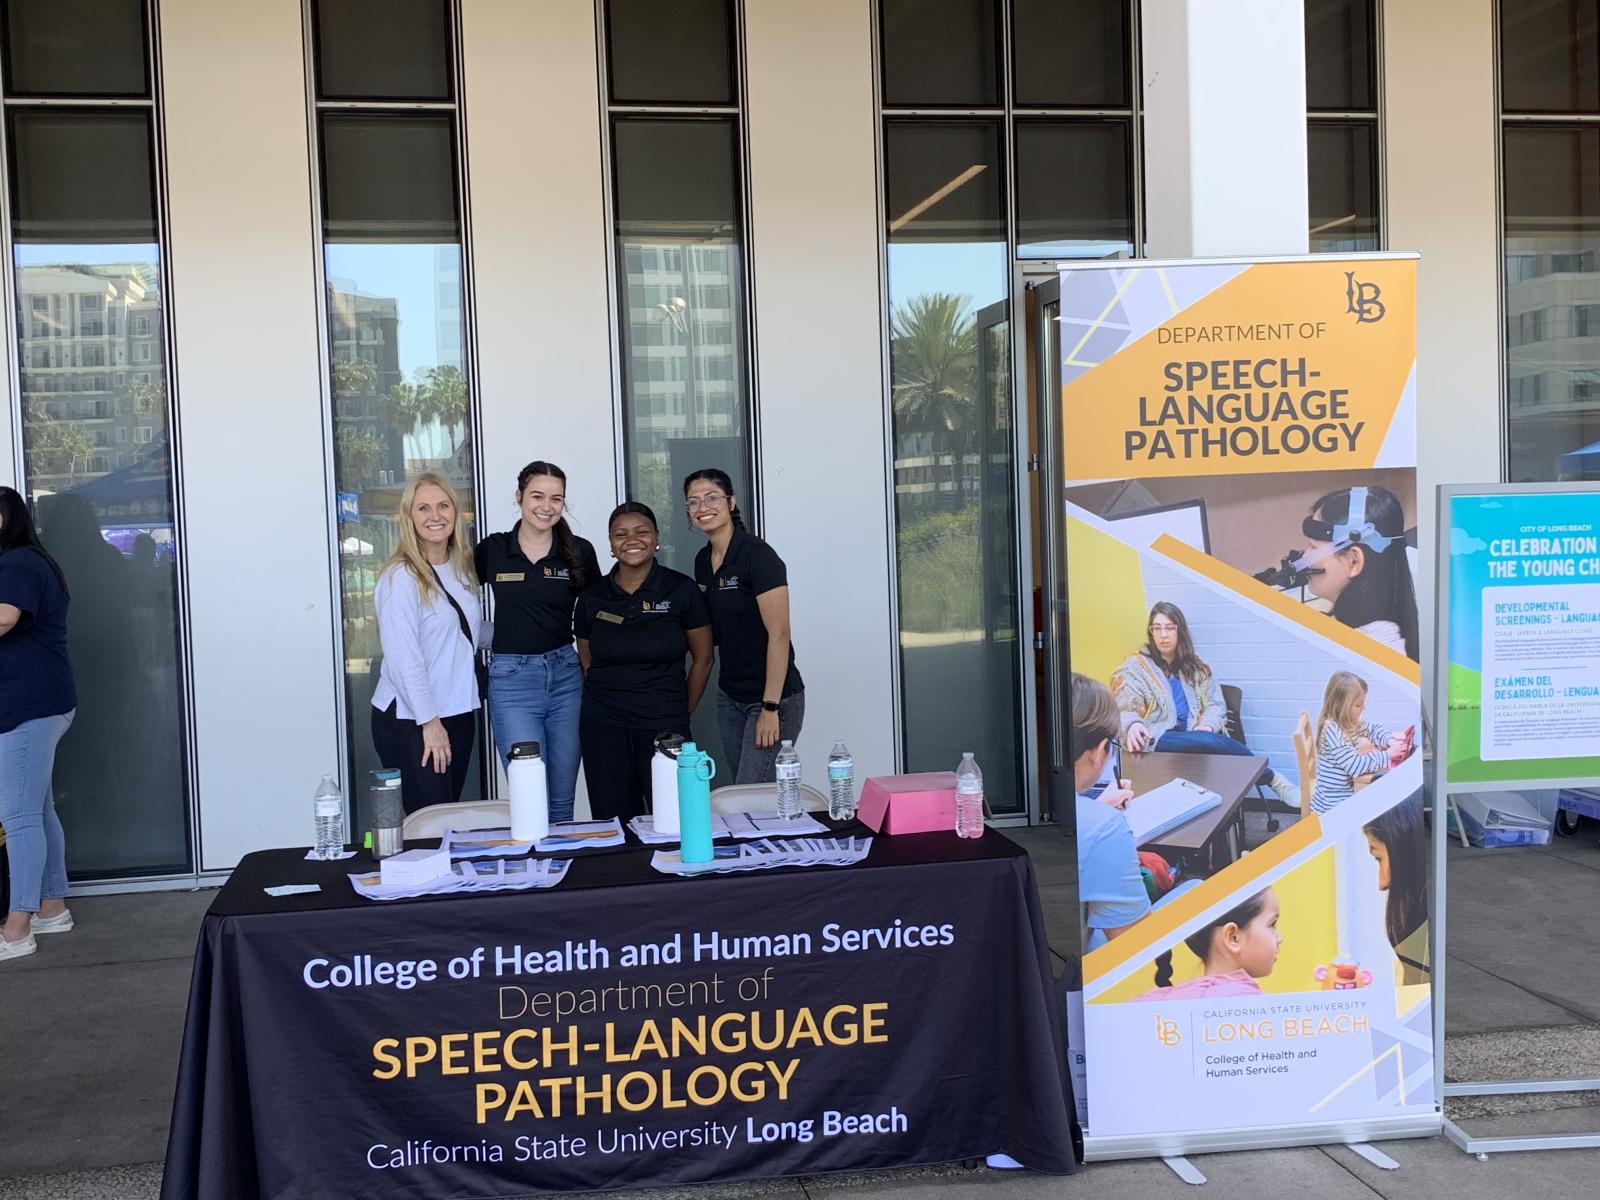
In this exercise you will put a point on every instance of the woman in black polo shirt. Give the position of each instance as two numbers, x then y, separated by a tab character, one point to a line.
761	700
536	570
634	628
37	701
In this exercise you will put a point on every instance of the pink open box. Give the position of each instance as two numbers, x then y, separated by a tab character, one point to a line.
924	803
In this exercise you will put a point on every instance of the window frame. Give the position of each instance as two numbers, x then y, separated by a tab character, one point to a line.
1369	117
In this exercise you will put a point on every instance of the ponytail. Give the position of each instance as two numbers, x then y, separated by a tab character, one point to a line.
1164	969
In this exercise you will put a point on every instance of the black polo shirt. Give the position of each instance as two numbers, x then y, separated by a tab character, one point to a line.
532	600
749	569
637	645
35	676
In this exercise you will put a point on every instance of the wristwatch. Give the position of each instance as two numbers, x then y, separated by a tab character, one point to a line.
769	706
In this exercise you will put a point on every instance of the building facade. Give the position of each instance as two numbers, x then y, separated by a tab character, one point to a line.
267	258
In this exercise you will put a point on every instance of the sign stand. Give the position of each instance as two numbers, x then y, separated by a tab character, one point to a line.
1444	791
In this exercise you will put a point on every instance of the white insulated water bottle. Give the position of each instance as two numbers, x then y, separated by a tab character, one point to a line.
664	784
530	794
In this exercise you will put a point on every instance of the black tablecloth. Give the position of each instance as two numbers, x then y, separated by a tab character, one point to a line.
897	1012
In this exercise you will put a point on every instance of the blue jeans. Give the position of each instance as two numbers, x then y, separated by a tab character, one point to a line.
742	760
34	841
1187	741
536	698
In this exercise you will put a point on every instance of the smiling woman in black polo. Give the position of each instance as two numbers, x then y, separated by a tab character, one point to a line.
634	629
761	699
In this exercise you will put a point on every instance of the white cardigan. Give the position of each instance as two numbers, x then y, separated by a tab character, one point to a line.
427	668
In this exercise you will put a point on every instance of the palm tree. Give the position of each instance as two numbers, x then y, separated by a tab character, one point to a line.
934	355
447	395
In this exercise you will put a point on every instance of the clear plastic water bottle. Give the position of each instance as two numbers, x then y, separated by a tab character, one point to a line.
969	798
841	783
789	802
327	808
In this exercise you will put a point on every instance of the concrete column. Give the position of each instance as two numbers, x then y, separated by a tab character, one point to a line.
242	268
1441	134
815	251
1225	127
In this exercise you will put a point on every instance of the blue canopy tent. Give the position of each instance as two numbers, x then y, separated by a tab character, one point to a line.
1583	461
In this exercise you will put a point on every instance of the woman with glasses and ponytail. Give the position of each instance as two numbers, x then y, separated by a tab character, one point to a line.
536	570
761	699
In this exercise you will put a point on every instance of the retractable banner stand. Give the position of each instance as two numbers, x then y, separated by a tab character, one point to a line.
1240	491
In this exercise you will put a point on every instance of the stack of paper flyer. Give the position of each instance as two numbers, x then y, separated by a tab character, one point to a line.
765	853
498	875
735	825
569	835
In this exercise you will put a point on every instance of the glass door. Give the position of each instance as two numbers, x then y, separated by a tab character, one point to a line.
1043	361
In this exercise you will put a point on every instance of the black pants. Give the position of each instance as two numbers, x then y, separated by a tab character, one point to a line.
399	744
616	766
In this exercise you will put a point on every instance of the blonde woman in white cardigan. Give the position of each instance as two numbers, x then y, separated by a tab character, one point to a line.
1171	701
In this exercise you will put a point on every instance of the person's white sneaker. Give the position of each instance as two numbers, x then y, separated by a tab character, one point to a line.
1288	795
59	923
22	949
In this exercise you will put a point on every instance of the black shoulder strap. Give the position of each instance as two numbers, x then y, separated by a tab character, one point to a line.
466	629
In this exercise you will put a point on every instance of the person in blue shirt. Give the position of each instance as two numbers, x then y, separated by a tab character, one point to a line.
1111	887
37	702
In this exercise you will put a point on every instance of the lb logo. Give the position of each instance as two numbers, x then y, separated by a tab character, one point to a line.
1361	300
1167	1032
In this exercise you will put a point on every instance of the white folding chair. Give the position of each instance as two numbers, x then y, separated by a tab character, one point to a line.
469	814
761	798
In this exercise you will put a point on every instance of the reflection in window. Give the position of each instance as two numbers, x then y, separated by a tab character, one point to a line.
949	353
1552	245
97	465
396	347
1342	132
680	257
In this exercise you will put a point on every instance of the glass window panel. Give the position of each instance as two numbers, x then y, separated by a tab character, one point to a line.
1339	55
1552	202
1070	55
82	176
681	257
1074	189
389	177
401	406
383	49
941	52
677	53
1550	55
97	464
955	536
1343	186
75	48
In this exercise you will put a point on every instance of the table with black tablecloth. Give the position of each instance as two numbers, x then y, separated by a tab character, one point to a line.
622	1029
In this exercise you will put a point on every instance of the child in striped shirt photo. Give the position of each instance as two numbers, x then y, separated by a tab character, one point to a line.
1349	746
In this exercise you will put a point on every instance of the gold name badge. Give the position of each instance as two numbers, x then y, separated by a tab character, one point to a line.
510	577
609	616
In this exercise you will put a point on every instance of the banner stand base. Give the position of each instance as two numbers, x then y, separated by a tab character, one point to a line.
1221	1141
1184	1169
1483	1147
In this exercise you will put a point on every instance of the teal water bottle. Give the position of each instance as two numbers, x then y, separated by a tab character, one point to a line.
695	772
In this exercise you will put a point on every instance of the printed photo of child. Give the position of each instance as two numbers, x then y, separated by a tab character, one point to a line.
1235	950
1351	749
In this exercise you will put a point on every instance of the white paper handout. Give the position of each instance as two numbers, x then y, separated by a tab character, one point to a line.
569	835
1163	809
735	825
765	853
497	875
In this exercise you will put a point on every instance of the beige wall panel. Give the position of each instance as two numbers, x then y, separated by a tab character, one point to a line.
242	257
816	253
1441	132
